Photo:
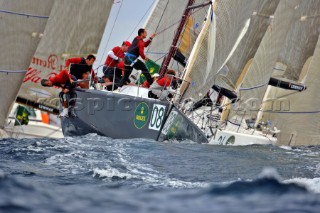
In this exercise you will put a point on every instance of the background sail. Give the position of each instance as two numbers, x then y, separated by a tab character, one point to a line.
301	40
297	62
235	67
22	23
256	81
298	118
74	29
230	17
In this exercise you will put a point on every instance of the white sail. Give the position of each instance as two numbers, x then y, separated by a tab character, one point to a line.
259	23
231	18
22	24
298	118
297	63
301	40
74	29
255	83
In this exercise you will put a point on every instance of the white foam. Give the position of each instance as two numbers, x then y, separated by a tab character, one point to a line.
110	173
270	172
285	147
312	185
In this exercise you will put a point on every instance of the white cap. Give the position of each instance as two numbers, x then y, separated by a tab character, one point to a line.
156	75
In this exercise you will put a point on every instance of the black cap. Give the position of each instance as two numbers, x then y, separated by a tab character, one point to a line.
44	82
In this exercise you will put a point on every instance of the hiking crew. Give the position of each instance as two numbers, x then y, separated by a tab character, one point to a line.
81	68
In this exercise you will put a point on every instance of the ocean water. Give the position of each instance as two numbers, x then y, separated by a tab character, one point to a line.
99	174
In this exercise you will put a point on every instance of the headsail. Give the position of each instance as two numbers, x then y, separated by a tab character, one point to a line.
74	29
22	24
228	35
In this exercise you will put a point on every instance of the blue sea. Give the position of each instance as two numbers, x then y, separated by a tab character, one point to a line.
99	174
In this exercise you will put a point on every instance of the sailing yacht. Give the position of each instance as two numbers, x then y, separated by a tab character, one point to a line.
104	112
229	66
42	25
208	49
110	113
289	51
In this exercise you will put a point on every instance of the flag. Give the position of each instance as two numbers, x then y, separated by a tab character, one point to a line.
22	117
153	68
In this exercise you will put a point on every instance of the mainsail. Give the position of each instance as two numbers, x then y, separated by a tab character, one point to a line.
74	29
22	24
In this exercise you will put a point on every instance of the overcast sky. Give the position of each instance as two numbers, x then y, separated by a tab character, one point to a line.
126	25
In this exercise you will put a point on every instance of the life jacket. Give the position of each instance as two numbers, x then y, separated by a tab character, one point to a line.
134	49
77	70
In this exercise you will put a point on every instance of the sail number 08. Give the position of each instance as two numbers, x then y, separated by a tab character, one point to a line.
157	116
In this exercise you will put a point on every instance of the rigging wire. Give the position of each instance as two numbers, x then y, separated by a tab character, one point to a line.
162	31
100	62
134	29
114	23
160	21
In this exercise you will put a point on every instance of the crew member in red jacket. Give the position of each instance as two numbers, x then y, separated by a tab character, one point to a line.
159	88
64	80
81	68
155	78
131	57
114	63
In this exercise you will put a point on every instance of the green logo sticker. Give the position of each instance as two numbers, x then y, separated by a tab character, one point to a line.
141	115
174	127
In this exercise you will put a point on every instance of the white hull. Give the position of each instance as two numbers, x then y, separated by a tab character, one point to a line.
224	137
34	129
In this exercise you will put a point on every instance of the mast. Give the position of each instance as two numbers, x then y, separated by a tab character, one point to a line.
173	46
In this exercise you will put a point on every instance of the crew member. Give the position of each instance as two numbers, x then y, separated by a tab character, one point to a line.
131	57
